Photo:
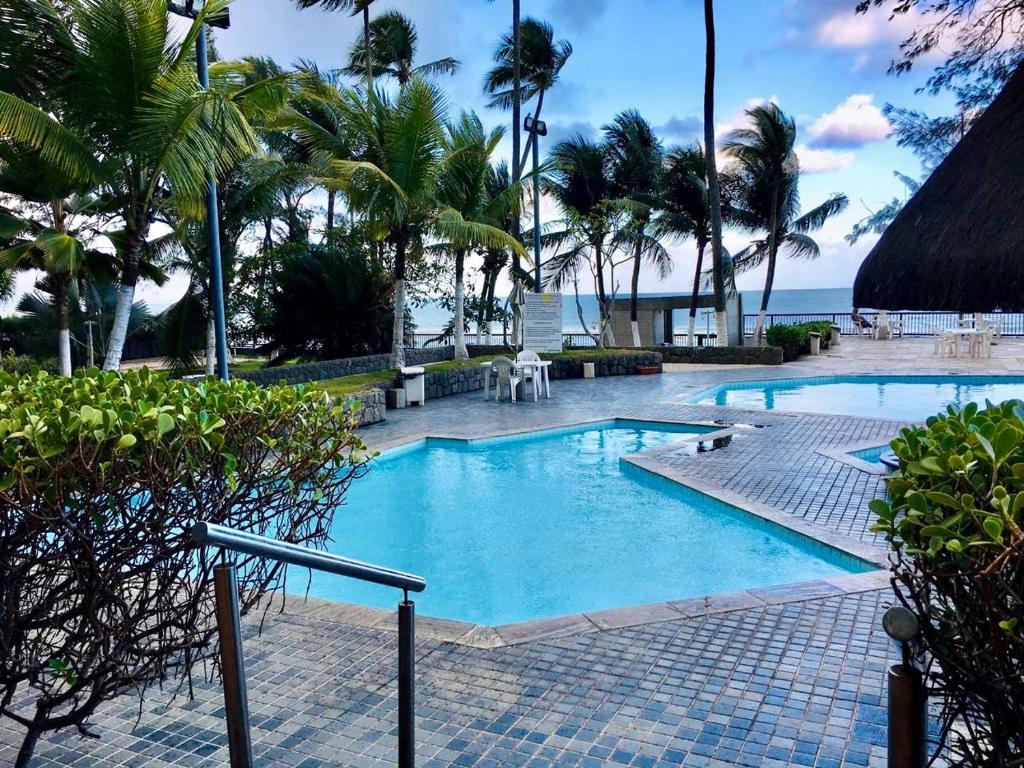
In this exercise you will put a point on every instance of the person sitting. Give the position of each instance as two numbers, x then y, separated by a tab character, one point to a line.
859	321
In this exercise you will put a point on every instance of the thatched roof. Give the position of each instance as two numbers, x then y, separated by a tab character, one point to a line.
958	244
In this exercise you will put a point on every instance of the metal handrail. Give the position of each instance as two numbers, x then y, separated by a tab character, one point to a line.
295	554
229	628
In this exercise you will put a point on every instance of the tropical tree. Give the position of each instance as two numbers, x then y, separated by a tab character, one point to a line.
392	47
503	205
541	61
635	158
462	187
768	176
133	118
401	149
684	211
579	182
714	190
354	6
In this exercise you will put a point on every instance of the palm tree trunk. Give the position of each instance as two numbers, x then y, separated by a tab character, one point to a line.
398	324
696	292
516	111
366	47
211	345
62	300
461	353
331	195
717	261
602	302
769	277
634	287
125	300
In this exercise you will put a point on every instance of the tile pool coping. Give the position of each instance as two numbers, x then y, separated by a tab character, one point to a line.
844	454
483	637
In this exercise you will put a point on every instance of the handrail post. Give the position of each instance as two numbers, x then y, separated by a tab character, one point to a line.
406	683
229	629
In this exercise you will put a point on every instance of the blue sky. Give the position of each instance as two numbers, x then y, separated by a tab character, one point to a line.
816	58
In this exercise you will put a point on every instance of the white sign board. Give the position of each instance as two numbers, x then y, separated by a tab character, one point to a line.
542	322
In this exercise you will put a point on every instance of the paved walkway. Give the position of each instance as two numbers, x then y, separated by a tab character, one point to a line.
780	677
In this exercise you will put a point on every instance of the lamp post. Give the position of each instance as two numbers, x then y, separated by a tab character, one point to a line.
223	21
536	129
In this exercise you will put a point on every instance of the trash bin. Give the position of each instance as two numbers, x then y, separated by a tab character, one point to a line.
815	342
414	384
836	334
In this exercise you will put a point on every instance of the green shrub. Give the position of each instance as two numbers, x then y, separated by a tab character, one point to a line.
953	522
102	476
822	327
20	365
792	338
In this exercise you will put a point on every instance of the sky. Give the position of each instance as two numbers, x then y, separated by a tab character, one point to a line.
822	63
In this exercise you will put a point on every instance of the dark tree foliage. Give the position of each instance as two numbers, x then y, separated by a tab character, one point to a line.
985	39
102	475
954	521
331	301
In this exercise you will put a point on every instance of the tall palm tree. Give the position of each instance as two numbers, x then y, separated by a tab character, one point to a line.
462	186
354	6
133	117
714	191
392	49
635	158
400	149
580	184
503	205
541	61
768	175
685	210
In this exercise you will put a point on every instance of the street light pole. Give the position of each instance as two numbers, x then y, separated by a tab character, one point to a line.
536	128
222	20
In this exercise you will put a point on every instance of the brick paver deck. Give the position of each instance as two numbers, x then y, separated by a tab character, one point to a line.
781	677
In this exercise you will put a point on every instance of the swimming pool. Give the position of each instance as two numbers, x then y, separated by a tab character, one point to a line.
552	523
901	398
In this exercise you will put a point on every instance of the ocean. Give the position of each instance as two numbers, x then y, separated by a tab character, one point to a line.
431	318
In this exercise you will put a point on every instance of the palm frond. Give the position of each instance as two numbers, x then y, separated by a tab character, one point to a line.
815	218
26	124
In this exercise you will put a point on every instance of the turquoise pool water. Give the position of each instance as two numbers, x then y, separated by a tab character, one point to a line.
902	398
553	523
871	455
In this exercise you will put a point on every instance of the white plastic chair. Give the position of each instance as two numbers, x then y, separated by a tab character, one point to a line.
533	375
506	373
882	329
946	344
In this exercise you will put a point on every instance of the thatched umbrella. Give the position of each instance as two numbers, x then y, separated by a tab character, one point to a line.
958	244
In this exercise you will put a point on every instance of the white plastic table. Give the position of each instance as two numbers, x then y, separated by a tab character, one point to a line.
541	366
971	335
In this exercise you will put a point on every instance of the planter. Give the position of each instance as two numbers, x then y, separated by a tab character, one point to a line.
836	332
815	341
396	398
646	370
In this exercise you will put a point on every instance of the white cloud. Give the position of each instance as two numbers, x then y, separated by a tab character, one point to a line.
823	160
863	30
855	122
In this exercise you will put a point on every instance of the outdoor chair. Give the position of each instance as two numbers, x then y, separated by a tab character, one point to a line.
946	344
507	374
532	375
882	329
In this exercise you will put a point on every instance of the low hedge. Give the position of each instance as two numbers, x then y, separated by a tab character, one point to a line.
795	340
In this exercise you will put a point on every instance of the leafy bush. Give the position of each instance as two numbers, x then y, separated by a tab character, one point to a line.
20	365
792	338
954	525
101	477
331	301
822	327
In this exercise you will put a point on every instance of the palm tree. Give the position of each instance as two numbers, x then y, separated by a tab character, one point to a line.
685	210
503	205
462	187
580	184
635	159
768	175
714	191
401	149
541	62
392	46
132	115
355	6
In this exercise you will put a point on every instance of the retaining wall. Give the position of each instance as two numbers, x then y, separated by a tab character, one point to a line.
723	355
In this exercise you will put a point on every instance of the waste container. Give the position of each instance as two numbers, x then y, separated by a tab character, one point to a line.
414	384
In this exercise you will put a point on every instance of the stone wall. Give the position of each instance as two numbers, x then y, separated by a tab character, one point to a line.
617	364
318	371
371	406
454	382
723	355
